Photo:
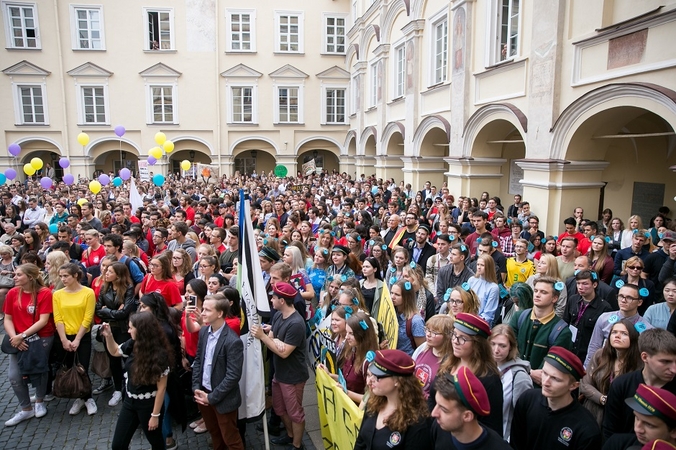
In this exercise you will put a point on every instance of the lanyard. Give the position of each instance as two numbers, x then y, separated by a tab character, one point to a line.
581	312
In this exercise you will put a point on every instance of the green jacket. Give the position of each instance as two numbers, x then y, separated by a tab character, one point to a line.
533	342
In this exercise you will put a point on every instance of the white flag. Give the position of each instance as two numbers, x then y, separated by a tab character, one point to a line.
134	197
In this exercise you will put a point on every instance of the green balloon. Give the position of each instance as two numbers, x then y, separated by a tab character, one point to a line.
281	171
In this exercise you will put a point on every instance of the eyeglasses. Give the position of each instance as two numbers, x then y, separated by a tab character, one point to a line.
634	267
154	265
432	333
462	340
456	302
626	298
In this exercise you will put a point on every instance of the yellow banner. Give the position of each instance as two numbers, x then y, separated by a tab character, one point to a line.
387	316
339	416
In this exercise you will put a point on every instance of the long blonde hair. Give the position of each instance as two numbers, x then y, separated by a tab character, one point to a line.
552	265
56	260
36	282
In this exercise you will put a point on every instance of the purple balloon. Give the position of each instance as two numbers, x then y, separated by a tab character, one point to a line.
68	179
125	174
14	149
10	174
151	160
45	182
104	179
63	162
119	131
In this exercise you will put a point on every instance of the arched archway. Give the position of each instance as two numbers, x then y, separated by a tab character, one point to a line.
323	151
111	155
48	151
253	154
388	162
188	148
430	146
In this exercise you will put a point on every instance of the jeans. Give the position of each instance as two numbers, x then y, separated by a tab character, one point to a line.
84	353
135	413
20	382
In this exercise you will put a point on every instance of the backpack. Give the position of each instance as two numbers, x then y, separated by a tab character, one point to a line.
409	333
139	264
553	335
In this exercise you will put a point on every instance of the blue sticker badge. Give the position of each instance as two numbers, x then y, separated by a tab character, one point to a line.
451	237
463	248
412	265
393	269
407	285
384	247
363	325
640	327
643	292
370	355
612	319
371	242
559	286
465	286
447	295
576	271
619	284
393	280
495	244
608	239
635	231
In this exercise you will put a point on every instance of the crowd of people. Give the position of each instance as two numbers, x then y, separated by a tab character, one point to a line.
509	336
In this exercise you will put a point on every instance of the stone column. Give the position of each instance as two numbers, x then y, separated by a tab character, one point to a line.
460	56
472	176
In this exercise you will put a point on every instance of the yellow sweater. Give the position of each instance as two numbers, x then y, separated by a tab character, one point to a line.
74	309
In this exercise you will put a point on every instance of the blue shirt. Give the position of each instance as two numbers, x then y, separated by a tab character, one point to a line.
212	340
658	315
417	330
134	270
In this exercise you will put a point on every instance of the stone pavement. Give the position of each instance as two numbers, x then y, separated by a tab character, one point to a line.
60	431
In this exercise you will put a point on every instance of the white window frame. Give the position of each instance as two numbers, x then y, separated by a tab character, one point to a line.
231	102
496	25
325	104
276	113
82	115
6	5
439	49
373	84
18	104
334	37
150	111
146	30
74	30
252	30
399	70
301	30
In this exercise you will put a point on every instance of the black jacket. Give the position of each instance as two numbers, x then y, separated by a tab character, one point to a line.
107	307
416	436
585	326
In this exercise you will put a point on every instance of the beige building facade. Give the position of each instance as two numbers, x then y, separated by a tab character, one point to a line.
569	103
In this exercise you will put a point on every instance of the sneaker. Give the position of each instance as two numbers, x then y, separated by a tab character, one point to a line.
282	440
40	410
115	399
91	407
173	445
77	407
20	417
47	398
106	384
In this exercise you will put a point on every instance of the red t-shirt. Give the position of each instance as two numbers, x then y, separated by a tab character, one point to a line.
190	214
134	219
167	288
190	339
234	323
91	257
22	314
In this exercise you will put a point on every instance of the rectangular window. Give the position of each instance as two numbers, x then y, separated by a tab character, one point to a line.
88	29
94	105
22	26
335	34
159	30
32	105
374	84
440	52
242	104
163	104
241	28
288	104
399	70
289	37
335	105
505	42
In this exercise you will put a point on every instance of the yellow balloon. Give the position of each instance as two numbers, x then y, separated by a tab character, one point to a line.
83	138
82	201
95	186
168	146
185	164
155	152
160	138
28	169
36	163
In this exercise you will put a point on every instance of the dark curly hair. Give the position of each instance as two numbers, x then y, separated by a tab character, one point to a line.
152	353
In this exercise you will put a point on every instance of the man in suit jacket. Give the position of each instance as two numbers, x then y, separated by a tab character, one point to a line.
421	250
215	376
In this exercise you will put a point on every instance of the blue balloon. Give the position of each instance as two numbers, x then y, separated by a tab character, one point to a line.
158	179
53	228
117	181
3	178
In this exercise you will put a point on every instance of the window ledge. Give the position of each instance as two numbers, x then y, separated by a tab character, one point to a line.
288	53
21	49
438	85
240	52
160	51
332	54
371	108
342	124
502	63
243	124
163	124
91	125
26	125
291	124
396	100
89	49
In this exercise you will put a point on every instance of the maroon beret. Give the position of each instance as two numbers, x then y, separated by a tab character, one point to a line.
658	444
472	325
472	393
284	290
652	401
565	361
392	362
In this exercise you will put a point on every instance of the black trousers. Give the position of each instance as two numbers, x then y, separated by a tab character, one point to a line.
135	413
121	336
84	354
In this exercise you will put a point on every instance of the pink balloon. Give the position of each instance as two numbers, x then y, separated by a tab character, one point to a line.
14	149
